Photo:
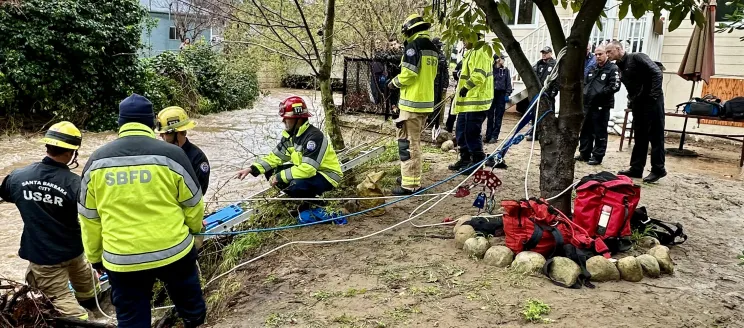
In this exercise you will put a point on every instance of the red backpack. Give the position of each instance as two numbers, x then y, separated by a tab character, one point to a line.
604	205
534	225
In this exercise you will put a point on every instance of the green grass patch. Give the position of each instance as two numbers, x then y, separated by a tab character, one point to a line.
533	311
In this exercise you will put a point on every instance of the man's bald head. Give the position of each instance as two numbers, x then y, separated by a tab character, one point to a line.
614	50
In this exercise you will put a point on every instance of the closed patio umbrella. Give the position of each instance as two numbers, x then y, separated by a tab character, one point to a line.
698	63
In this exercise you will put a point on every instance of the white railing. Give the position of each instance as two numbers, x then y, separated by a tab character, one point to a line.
637	35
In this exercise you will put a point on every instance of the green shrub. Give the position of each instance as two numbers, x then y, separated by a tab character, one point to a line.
77	59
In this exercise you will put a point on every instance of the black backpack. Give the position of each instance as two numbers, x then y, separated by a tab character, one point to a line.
667	234
734	108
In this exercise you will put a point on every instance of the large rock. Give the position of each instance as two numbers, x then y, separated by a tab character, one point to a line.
498	256
602	269
460	221
661	253
476	246
463	234
648	242
443	137
630	269
564	270
448	145
528	262
650	266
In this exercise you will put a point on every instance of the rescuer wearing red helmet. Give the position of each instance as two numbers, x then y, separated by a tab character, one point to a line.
303	164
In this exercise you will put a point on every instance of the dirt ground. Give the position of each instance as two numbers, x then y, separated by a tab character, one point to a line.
408	277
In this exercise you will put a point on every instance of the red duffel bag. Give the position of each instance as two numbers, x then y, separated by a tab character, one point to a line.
534	225
604	205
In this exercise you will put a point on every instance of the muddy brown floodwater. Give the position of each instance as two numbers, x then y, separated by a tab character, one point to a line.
230	140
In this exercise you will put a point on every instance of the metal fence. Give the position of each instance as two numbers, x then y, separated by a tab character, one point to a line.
365	86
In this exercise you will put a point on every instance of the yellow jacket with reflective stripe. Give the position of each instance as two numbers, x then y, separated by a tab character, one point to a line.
140	202
309	153
418	70
477	77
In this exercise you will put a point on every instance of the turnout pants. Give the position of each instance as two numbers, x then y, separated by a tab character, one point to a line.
307	188
648	127
593	137
409	148
469	127
131	293
495	115
53	280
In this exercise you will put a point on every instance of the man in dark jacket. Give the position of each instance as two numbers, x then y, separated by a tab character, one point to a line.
600	86
502	89
543	68
45	194
591	60
440	86
642	78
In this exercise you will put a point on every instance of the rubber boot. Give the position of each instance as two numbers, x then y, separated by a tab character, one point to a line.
463	162
478	157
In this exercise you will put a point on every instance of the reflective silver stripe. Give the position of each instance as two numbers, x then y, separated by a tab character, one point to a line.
280	154
396	82
264	164
486	74
194	200
322	151
473	103
333	175
288	174
430	53
470	84
411	67
143	160
413	104
87	213
132	259
311	161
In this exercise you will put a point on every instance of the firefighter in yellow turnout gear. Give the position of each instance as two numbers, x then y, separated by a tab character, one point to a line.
140	204
46	196
475	93
416	83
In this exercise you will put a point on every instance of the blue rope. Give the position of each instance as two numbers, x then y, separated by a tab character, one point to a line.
515	139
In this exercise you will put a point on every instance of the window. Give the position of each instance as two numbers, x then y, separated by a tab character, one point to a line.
524	12
172	33
722	10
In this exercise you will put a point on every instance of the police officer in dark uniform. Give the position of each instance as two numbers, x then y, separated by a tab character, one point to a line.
440	86
46	196
643	80
600	86
543	68
172	124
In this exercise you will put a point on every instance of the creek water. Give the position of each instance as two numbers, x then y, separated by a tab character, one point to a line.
231	140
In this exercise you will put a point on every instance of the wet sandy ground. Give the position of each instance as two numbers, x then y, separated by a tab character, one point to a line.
230	140
406	278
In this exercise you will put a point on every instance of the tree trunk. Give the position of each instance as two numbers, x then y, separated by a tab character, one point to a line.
324	77
560	136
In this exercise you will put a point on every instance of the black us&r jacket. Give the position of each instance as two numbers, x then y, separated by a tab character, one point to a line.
641	75
199	162
46	195
600	86
543	68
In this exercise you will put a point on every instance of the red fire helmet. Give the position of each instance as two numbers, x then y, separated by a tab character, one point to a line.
294	107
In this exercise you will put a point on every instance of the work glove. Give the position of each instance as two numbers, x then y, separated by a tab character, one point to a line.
506	98
99	268
463	92
390	85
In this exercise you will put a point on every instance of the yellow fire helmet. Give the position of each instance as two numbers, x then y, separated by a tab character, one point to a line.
63	135
173	119
414	21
